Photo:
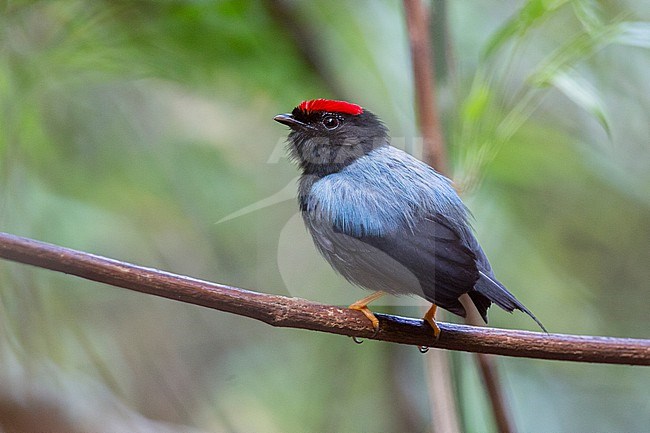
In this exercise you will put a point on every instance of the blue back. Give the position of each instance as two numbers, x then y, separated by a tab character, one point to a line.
384	191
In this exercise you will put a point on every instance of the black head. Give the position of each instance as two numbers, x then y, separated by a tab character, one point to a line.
328	135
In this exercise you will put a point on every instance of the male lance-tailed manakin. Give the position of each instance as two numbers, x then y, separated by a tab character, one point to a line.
383	219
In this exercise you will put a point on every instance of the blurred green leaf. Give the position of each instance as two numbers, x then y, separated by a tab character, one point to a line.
634	34
579	48
530	15
583	93
477	102
588	13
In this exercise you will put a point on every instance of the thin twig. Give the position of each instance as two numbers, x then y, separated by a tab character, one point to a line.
307	41
281	311
442	392
439	378
435	155
417	23
489	372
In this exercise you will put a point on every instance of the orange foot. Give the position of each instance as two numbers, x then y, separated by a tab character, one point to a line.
362	305
429	317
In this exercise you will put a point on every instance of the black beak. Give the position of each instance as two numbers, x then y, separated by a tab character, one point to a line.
290	121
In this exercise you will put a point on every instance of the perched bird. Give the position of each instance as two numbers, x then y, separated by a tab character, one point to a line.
383	219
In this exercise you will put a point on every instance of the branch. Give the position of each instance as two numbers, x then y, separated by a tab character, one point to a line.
287	312
489	373
305	39
418	17
417	23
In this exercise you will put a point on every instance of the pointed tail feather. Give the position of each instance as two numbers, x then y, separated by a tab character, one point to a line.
495	292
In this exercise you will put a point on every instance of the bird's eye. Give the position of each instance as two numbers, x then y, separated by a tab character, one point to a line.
331	122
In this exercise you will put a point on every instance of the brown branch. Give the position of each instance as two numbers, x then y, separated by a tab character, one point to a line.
417	23
489	373
281	311
439	377
434	154
305	39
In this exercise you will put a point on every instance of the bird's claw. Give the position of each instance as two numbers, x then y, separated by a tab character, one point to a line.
362	305
429	317
369	314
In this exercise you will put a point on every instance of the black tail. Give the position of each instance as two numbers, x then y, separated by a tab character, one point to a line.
490	288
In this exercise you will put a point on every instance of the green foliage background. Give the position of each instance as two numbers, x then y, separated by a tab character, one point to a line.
133	129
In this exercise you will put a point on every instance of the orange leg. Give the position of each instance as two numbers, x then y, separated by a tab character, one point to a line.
429	317
362	305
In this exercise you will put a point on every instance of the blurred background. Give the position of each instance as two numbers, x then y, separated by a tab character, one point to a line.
142	130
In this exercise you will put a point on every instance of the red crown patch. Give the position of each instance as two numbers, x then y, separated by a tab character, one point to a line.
330	106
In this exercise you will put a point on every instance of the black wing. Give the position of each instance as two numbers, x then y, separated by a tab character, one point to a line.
437	256
431	260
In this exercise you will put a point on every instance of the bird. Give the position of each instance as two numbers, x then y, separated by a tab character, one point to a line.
383	219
